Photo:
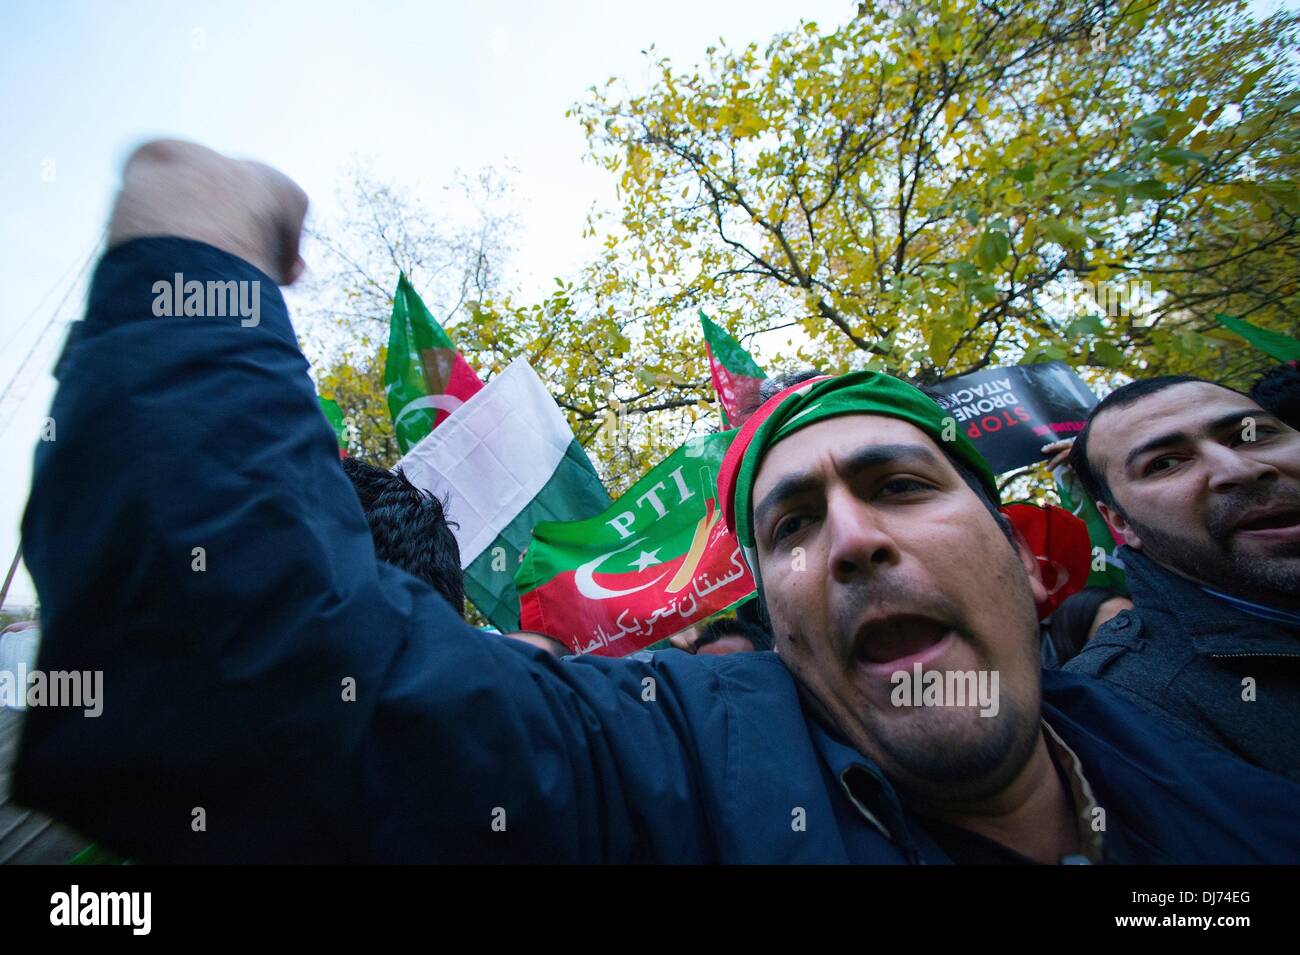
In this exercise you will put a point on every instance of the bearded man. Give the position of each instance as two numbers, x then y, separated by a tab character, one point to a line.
321	704
1202	485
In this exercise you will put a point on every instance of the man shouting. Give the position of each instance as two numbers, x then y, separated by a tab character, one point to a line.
273	692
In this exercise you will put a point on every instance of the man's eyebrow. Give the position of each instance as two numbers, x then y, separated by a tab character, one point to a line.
864	459
879	455
1178	437
788	487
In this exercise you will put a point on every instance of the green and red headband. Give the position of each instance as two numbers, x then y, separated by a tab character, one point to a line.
861	392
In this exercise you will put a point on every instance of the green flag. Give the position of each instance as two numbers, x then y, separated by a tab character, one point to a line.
504	462
1107	570
655	562
1271	343
736	376
334	415
425	377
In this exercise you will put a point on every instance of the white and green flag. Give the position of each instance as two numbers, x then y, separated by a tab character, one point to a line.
504	462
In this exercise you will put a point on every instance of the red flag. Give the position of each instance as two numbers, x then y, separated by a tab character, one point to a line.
1060	542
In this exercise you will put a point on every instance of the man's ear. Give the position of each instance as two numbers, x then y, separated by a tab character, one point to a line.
1032	570
1119	524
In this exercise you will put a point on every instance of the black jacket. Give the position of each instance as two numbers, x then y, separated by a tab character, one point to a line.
1188	655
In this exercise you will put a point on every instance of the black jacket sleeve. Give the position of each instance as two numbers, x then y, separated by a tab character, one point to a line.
192	537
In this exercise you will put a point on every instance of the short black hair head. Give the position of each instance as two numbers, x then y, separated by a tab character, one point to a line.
410	529
734	627
367	480
1278	393
1092	479
751	612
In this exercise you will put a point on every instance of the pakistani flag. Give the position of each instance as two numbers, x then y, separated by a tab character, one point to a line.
736	376
657	561
425	377
1274	344
505	461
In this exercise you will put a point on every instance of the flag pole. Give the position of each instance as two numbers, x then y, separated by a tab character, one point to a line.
9	577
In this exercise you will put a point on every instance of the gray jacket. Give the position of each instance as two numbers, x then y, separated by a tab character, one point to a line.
1197	660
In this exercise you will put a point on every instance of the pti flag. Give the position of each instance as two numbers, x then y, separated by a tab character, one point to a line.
736	376
425	377
503	462
658	560
1010	413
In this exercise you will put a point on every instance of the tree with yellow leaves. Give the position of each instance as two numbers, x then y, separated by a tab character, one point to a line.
942	185
929	189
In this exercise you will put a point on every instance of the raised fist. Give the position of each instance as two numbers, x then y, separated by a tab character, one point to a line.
174	188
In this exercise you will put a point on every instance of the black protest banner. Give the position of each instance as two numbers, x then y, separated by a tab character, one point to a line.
1010	413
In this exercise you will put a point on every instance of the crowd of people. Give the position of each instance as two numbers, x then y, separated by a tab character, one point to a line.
315	691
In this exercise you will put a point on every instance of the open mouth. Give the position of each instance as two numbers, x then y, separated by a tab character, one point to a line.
896	642
1270	521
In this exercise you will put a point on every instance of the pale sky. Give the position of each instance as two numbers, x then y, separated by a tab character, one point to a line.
418	89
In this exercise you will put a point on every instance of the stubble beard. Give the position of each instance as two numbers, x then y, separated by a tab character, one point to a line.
1215	560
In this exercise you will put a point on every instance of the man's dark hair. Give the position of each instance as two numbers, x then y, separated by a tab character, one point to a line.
973	481
1278	393
750	612
771	386
410	529
758	637
1093	481
1072	621
779	383
368	480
